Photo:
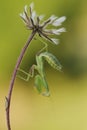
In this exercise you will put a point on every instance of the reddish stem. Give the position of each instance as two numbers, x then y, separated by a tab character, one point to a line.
8	98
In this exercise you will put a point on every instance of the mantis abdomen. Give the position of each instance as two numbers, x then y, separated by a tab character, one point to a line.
52	60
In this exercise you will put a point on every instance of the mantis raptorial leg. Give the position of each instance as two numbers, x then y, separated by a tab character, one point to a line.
45	46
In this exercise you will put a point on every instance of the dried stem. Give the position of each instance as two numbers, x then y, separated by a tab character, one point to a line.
8	98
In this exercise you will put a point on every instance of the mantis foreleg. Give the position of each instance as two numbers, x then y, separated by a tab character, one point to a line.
45	46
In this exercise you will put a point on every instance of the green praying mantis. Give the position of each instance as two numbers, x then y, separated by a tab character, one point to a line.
40	78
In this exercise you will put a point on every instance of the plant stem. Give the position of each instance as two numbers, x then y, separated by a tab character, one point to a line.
8	98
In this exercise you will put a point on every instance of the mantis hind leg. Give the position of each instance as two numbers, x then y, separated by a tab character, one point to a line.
26	75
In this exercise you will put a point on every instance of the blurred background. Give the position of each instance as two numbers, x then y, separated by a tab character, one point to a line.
66	108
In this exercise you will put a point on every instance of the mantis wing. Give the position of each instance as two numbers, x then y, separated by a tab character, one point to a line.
40	83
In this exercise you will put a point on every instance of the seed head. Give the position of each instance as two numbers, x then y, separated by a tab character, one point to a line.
36	23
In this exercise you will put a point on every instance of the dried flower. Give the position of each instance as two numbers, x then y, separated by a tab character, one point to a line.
35	23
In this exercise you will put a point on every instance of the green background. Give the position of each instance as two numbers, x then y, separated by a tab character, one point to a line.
66	108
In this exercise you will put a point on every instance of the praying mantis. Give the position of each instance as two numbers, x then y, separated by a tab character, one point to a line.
40	78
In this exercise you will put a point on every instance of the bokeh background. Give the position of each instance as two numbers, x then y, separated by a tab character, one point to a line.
66	108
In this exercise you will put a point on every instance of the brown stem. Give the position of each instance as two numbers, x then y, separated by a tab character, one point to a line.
8	98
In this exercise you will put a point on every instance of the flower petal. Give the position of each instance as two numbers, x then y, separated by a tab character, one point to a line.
33	15
25	8
58	31
23	16
56	41
52	40
32	5
53	17
31	8
59	21
41	17
49	21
